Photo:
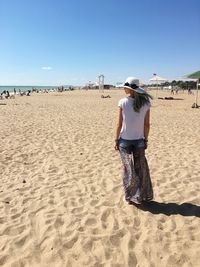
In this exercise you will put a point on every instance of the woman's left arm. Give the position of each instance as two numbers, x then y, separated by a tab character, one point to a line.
146	125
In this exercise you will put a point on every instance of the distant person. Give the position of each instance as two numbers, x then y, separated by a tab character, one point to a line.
4	92
7	94
131	141
172	91
28	93
14	91
105	96
189	91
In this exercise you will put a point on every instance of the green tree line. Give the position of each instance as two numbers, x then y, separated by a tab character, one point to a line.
181	84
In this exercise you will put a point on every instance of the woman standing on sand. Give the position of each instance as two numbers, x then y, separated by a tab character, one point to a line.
131	141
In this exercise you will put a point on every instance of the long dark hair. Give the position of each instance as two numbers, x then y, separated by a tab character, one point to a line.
140	100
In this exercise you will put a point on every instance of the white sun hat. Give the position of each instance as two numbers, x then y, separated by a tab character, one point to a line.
133	84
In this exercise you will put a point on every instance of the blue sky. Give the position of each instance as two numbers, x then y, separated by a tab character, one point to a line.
48	42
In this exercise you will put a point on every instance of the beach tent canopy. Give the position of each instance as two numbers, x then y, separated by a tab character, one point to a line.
195	75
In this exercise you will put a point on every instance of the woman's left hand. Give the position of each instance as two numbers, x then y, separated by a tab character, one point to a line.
145	144
116	145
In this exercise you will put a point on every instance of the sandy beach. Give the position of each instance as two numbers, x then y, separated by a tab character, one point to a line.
61	196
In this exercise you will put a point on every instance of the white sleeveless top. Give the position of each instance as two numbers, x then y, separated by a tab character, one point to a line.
133	122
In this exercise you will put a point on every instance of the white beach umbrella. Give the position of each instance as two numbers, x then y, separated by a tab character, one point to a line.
158	80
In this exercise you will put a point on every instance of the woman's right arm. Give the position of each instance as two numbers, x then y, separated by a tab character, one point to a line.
118	130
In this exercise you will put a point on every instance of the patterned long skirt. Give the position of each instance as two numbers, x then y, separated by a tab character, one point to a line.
136	177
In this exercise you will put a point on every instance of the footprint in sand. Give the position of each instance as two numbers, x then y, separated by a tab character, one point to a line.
69	244
132	260
90	221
